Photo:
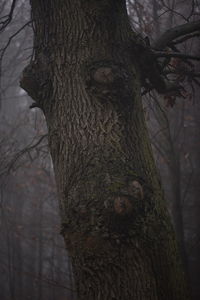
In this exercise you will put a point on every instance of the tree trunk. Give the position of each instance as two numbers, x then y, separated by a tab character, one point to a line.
114	221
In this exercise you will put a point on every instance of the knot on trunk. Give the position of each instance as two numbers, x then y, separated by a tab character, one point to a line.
104	75
123	205
108	81
135	189
35	81
29	81
127	201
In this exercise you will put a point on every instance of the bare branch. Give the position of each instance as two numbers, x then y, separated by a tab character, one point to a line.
185	38
175	54
21	153
8	17
175	33
3	50
43	279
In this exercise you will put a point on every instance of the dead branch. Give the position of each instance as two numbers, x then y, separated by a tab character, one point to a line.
8	18
175	54
174	33
185	38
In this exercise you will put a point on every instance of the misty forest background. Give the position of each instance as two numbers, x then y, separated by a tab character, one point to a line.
33	261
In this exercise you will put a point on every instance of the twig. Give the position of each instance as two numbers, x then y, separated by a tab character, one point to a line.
185	38
3	50
175	54
22	152
8	17
175	33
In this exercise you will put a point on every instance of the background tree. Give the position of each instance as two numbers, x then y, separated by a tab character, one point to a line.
33	260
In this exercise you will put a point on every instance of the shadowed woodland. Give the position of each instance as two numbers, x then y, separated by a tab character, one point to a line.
34	262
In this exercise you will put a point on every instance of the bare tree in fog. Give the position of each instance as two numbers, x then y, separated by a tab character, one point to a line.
33	257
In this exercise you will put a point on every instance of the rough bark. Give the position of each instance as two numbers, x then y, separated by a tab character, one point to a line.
114	221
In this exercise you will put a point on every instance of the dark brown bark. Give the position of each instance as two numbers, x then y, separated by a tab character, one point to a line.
114	221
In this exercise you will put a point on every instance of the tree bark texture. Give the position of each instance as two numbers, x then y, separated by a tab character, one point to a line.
85	78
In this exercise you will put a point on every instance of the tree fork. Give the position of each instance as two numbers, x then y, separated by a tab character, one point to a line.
114	220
